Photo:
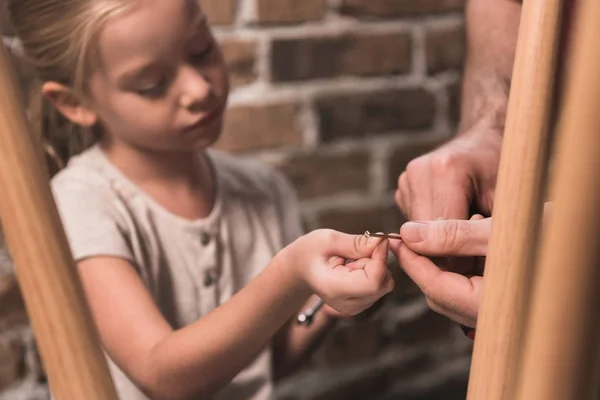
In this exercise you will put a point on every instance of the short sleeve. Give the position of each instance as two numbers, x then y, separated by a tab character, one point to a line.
288	208
91	218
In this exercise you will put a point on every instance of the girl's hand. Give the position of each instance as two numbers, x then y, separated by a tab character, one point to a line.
319	260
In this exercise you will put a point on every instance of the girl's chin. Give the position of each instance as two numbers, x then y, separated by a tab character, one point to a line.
204	138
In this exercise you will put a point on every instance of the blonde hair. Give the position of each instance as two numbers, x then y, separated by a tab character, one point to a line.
59	39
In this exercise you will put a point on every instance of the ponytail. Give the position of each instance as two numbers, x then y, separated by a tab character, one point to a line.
59	41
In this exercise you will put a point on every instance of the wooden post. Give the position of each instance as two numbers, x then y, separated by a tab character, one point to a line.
68	342
517	205
562	337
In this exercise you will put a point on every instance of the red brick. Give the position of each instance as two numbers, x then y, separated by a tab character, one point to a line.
315	175
445	48
406	153
260	126
296	59
240	58
289	11
12	309
356	115
12	362
219	12
6	28
398	8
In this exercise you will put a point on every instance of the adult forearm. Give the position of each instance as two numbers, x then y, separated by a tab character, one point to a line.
492	29
195	362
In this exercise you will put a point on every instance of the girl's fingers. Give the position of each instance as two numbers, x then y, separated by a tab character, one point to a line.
360	279
380	254
351	247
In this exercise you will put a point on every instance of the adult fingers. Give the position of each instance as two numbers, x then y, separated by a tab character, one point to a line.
448	237
439	186
451	293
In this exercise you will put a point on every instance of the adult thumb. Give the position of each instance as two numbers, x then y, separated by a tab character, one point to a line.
447	237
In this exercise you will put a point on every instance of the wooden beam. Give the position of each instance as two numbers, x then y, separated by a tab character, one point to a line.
562	346
517	204
68	342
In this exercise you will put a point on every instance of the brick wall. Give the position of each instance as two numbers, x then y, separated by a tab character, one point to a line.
340	95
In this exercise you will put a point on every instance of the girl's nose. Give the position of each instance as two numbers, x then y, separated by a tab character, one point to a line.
196	91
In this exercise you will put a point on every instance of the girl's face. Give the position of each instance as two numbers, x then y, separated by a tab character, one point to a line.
162	83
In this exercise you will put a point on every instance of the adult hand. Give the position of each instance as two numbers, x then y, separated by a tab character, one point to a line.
457	295
451	182
454	295
447	182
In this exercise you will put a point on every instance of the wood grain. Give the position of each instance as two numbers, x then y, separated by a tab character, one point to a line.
517	205
68	342
562	347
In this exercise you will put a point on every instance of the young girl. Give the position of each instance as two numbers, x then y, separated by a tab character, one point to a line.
178	247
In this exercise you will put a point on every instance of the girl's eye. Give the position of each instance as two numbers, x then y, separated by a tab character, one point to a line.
154	91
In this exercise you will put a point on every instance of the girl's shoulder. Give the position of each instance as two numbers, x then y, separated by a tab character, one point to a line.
84	176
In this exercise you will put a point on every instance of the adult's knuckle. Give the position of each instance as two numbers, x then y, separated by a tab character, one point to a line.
445	163
416	166
398	199
401	180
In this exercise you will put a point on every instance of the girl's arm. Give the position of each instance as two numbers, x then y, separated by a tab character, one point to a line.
200	359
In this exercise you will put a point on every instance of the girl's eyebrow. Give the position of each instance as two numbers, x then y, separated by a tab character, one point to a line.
199	20
135	73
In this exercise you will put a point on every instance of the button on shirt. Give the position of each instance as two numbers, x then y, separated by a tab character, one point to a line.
189	267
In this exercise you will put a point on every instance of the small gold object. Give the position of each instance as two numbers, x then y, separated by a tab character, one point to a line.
383	235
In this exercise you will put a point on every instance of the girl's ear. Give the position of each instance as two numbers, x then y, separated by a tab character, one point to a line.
69	104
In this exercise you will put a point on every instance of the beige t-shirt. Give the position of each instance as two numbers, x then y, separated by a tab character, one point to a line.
189	267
